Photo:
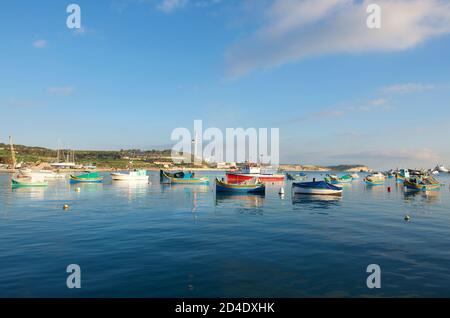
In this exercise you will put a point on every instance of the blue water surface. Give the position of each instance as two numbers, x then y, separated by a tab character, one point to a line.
150	240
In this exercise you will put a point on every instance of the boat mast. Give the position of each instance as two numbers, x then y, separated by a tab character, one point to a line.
57	153
13	154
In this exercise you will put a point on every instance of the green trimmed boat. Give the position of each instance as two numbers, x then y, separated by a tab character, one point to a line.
23	181
92	177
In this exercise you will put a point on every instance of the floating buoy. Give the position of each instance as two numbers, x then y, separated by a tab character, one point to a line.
77	189
65	207
407	217
281	191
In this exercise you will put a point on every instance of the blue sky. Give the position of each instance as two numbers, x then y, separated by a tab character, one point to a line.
338	91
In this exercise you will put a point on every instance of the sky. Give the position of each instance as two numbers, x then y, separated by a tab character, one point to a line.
338	91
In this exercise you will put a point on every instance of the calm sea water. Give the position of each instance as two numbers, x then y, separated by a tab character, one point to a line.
141	240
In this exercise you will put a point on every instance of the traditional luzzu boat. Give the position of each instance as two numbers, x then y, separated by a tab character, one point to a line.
27	181
182	178
135	175
376	178
401	175
316	187
250	171
92	177
333	179
296	177
424	183
249	186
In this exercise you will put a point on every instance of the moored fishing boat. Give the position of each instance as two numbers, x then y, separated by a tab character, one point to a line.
44	174
250	171
27	181
249	186
355	176
376	178
135	175
316	187
424	183
441	168
333	179
92	177
296	177
182	178
401	175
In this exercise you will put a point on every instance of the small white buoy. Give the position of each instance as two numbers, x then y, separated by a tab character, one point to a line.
77	189
281	191
407	217
65	207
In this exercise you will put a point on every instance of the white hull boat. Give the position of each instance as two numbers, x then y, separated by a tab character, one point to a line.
139	175
441	168
42	174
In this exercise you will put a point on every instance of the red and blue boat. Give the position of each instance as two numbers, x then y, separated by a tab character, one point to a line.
250	171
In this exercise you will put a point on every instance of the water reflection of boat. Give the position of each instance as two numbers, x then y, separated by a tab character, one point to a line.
88	187
316	201
201	188
246	200
34	193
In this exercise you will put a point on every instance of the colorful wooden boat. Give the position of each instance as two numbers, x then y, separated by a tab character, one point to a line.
316	187
425	183
27	181
333	179
296	177
250	171
374	179
182	178
92	177
250	186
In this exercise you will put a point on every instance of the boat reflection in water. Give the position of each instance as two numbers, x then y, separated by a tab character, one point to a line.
33	193
312	201
426	196
132	188
86	187
246	201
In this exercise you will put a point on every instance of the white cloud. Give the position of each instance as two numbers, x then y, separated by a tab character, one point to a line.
406	88
171	5
61	91
40	44
296	29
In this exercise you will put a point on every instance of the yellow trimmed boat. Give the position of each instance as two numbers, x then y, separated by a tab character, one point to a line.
248	186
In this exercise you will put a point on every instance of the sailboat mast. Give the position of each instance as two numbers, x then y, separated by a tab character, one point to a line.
57	153
13	154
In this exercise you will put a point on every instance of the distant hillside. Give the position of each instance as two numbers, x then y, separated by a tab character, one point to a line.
342	167
348	168
39	154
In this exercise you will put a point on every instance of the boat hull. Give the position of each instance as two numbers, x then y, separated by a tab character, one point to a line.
127	177
235	177
74	179
169	178
239	188
420	187
316	188
16	183
373	183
